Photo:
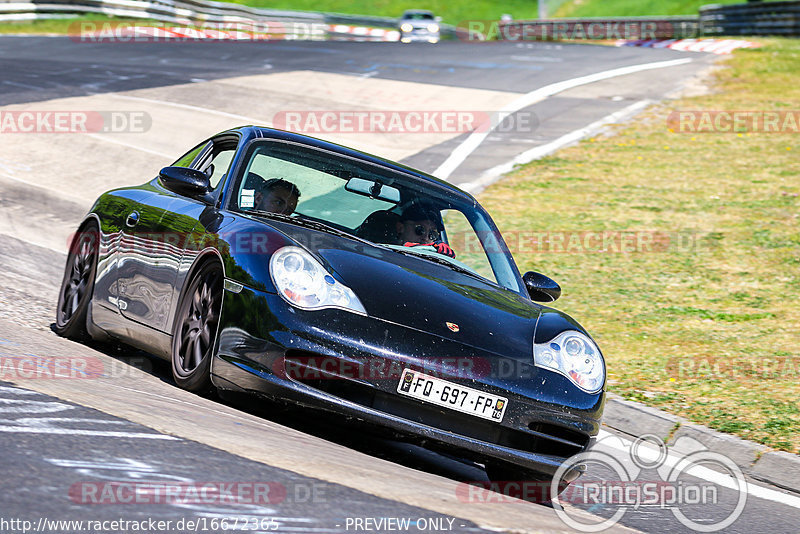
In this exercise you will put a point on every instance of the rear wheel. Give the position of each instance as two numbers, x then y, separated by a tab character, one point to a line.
195	330
78	284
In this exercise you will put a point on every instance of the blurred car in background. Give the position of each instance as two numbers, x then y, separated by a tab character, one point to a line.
419	25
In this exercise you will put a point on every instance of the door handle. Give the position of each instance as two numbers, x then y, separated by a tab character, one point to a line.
133	219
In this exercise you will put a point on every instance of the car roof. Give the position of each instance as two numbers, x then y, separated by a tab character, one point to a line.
417	12
250	133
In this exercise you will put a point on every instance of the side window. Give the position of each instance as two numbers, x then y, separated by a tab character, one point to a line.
220	164
187	159
215	159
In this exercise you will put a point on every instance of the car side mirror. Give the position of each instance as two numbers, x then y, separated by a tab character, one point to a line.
540	287
184	181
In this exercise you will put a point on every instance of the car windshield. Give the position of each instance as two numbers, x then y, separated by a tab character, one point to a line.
418	16
316	187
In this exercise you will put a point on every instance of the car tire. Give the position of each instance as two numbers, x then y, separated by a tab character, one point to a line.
195	331
77	286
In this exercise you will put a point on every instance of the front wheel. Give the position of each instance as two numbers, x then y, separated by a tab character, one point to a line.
195	329
78	284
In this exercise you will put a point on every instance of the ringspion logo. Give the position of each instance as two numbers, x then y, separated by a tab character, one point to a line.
622	476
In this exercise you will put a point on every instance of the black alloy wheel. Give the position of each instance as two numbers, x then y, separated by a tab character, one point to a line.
78	284
195	330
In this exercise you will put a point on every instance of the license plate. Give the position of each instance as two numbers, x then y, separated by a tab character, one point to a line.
451	395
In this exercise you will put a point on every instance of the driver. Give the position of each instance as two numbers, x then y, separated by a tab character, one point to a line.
418	226
277	195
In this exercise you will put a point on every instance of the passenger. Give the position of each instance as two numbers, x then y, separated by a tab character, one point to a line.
277	195
419	226
379	227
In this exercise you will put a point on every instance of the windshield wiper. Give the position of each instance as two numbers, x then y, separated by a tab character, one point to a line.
440	261
311	224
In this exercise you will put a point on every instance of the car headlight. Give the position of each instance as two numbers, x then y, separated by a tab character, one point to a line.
303	282
406	27
433	28
575	356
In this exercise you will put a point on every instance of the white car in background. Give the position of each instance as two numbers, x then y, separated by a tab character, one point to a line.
419	25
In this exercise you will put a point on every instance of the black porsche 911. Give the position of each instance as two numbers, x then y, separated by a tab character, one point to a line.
273	263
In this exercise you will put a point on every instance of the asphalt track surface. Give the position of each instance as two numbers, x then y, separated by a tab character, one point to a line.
128	423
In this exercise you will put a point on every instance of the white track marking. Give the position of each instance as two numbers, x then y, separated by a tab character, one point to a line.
490	175
31	406
715	477
24	85
129	145
40	245
249	120
80	432
474	140
14	178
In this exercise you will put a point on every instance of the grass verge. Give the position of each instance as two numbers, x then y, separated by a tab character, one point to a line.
632	8
69	25
453	13
701	317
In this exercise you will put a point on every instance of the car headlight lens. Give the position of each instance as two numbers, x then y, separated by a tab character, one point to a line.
575	356
303	282
406	27
433	28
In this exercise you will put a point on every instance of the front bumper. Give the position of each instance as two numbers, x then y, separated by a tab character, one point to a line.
275	350
417	36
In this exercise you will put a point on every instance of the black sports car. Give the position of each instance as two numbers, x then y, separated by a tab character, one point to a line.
274	263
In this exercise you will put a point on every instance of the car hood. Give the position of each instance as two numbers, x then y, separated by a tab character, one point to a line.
427	296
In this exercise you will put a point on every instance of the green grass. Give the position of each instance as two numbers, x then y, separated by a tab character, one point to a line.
452	12
455	13
60	26
633	8
706	325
